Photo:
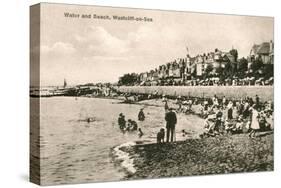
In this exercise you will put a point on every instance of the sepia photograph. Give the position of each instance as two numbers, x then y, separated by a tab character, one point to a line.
128	94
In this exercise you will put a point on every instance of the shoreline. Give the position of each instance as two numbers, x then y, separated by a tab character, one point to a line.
216	155
140	160
120	153
194	156
123	158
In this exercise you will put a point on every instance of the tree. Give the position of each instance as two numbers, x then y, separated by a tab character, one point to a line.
256	65
242	67
234	52
209	69
268	70
228	69
219	70
128	79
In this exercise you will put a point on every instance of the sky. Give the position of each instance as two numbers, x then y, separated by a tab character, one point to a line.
87	50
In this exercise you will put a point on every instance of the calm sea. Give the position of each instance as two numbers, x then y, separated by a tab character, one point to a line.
75	151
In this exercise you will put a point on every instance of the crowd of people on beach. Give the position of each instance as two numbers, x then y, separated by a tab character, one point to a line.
221	116
246	115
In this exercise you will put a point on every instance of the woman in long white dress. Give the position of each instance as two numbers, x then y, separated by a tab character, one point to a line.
255	122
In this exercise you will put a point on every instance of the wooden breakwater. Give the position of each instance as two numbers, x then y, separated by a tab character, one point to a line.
231	92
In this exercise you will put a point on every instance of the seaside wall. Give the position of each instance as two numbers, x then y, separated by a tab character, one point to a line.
236	92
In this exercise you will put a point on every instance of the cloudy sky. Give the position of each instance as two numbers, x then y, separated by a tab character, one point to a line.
91	50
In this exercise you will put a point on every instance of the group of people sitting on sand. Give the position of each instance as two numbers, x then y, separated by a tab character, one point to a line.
130	125
221	116
236	116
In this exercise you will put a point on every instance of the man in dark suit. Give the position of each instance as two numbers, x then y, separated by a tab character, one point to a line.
171	121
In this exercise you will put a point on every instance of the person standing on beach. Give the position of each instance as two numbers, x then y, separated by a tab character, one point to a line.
141	115
224	102
171	121
255	122
166	107
257	101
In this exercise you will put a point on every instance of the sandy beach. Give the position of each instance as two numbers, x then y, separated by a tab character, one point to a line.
71	151
194	156
219	155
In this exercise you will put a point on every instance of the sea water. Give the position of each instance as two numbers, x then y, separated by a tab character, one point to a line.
74	150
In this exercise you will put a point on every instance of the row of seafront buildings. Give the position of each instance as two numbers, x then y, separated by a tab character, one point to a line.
189	68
